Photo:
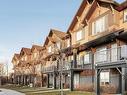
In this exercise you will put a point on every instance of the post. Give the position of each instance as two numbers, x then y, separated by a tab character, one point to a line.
54	80
74	58
123	80
97	83
61	74
71	78
47	80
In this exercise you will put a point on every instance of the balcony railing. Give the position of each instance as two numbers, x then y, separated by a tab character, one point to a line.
48	69
111	55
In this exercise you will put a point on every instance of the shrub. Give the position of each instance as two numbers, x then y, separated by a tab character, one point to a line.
89	88
111	89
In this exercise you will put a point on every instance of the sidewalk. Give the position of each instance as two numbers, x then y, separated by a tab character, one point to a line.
52	91
9	92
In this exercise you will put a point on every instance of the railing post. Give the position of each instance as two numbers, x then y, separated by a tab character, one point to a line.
71	78
123	80
54	80
118	53
97	83
47	80
74	58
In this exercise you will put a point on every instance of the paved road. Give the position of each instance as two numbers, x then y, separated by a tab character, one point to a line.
9	92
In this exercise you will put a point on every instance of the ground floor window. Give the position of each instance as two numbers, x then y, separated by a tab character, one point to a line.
104	78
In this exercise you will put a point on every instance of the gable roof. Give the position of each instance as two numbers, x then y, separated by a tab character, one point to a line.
26	50
16	56
58	33
121	6
49	39
37	47
90	11
78	13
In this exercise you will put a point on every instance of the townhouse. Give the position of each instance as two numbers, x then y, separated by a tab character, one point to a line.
90	56
27	66
98	32
54	43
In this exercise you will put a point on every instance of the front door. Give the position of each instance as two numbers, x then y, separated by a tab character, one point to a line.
76	80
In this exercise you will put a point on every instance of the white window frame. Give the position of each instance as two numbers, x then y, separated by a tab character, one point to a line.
125	15
49	49
58	44
68	42
87	58
105	77
25	58
101	54
99	25
35	55
79	35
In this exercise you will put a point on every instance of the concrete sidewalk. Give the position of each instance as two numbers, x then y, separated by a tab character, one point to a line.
9	92
51	91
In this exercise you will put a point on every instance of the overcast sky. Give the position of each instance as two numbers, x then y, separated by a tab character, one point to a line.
27	22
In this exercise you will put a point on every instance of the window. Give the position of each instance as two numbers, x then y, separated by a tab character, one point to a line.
104	78
101	54
58	45
49	49
81	60
79	35
99	25
25	58
68	42
22	59
35	55
125	15
87	58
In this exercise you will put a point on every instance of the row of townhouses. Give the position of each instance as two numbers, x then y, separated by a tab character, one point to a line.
90	56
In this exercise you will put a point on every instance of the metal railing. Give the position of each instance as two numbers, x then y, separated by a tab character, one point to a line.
48	69
111	55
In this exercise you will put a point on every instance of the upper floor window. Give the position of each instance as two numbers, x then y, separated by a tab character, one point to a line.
35	55
86	58
68	42
49	49
22	59
101	54
99	25
58	44
79	35
125	15
25	58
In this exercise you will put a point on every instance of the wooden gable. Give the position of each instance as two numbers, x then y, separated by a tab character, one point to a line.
25	51
89	8
77	18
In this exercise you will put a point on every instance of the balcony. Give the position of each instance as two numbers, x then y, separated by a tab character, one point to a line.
85	63
48	69
112	56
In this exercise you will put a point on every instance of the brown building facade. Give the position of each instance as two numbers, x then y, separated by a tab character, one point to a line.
90	56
